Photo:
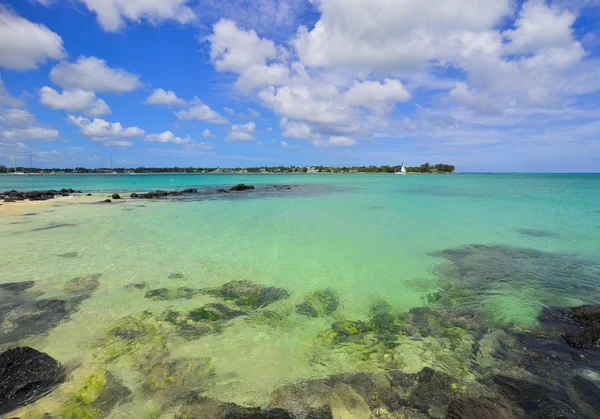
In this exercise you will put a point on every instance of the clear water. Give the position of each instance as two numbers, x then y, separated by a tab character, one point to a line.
368	237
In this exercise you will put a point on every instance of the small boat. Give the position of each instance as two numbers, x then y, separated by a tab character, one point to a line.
402	170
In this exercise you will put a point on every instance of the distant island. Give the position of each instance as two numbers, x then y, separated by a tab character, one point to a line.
424	168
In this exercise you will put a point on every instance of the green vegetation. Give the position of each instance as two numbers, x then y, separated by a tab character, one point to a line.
320	303
424	168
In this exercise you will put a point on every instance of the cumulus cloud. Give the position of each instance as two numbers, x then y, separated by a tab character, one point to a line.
104	132
13	117
25	45
75	100
93	74
233	49
112	14
241	132
207	134
164	97
202	112
375	95
167	137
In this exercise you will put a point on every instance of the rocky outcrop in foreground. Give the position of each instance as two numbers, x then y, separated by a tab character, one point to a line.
14	196
25	376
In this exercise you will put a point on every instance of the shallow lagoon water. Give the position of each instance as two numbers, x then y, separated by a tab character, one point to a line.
367	237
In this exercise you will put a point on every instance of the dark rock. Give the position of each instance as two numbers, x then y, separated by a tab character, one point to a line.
9	199
84	284
323	412
190	190
586	315
175	275
536	233
241	187
108	201
25	376
306	309
116	196
535	400
481	408
134	195
246	293
17	287
160	193
586	338
206	408
222	191
89	194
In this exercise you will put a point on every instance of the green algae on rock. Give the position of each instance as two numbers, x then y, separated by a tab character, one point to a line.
249	294
319	303
100	393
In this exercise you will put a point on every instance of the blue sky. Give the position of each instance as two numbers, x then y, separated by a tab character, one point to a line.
487	85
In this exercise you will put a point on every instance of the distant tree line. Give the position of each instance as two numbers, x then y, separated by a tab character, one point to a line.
424	168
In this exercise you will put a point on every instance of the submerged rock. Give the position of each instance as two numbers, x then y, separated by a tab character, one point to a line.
17	287
25	376
536	233
320	303
175	275
69	255
204	407
214	312
169	294
100	393
480	408
246	293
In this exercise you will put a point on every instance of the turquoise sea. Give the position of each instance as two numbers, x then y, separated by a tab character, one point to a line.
502	245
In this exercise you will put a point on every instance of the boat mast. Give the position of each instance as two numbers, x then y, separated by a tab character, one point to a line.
30	166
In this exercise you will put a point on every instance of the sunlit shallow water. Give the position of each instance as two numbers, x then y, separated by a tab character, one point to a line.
369	238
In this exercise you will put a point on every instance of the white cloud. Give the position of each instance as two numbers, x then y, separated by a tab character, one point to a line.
241	132
93	74
29	134
540	26
163	97
392	34
207	134
25	45
232	49
376	96
104	132
167	137
202	112
258	76
298	130
338	141
76	100
14	117
112	14
229	111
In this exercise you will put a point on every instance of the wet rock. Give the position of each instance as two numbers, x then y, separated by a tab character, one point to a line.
25	376
535	400
134	195
222	190
480	408
89	194
204	407
241	187
108	201
17	287
349	330
586	315
69	255
190	190
116	196
586	338
246	293
320	303
169	294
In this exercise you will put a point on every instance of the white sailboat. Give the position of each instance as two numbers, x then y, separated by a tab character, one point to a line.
14	164
402	170
112	172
